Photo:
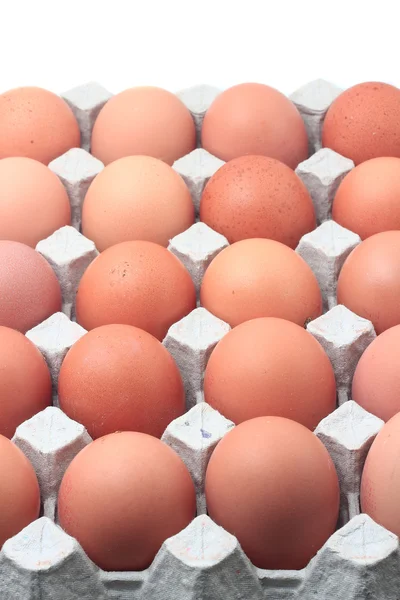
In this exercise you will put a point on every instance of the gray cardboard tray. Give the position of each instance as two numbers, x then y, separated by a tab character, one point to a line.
203	562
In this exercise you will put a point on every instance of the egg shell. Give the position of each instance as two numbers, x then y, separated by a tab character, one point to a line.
19	491
37	124
253	118
136	198
146	121
33	201
146	492
270	367
258	197
369	282
380	483
367	200
271	479
119	377
260	278
135	283
364	122
29	289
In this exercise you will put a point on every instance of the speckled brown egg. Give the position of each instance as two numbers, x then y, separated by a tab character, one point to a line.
376	382
37	124
369	282
33	201
270	367
367	200
146	493
143	120
135	283
136	198
260	278
257	197
364	122
253	118
271	482
25	383
29	289
119	377
19	491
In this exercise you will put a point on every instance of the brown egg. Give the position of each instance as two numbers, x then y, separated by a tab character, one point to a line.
143	120
135	283
257	197
369	282
25	383
147	496
376	382
252	118
380	482
260	278
33	201
364	122
272	483
29	289
367	200
19	491
37	124
120	377
136	198
270	367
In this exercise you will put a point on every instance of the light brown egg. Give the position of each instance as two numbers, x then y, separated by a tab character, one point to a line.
260	278
19	491
119	377
257	197
272	483
143	120
369	282
25	383
376	382
270	367
367	200
136	198
135	283
147	496
29	289
253	118
380	482
33	201
37	124
364	122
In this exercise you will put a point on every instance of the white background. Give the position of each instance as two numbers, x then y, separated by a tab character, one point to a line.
59	44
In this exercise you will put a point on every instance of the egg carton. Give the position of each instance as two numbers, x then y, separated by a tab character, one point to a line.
203	562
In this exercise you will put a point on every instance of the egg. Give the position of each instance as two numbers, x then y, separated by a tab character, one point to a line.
135	283
143	120
272	483
376	381
120	377
367	200
136	198
257	197
147	496
25	383
260	278
267	367
29	289
253	118
19	491
364	122
33	201
37	124
369	282
380	482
